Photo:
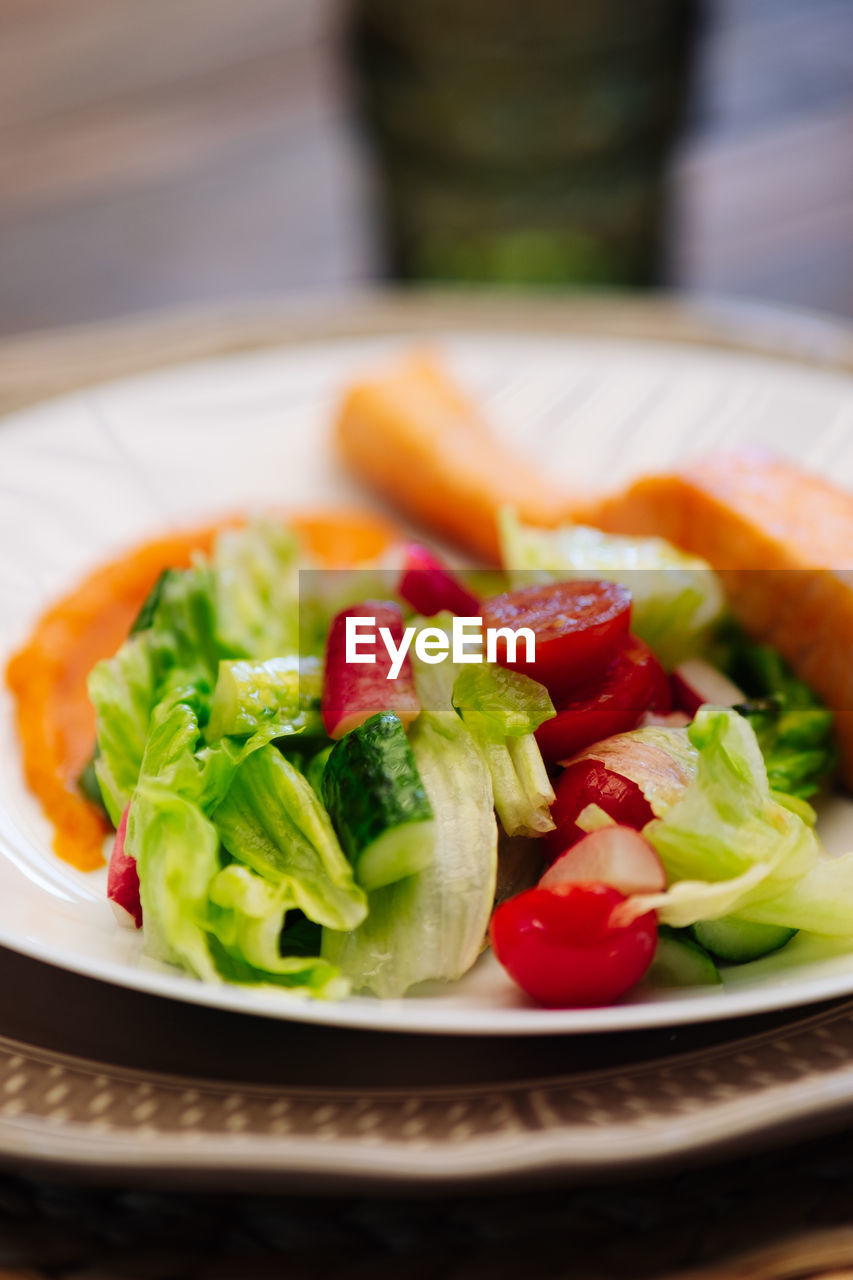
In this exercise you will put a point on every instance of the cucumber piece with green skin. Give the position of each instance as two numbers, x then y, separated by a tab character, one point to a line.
377	802
249	695
681	962
315	769
738	941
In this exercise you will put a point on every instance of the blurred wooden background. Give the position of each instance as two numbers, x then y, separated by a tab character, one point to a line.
165	151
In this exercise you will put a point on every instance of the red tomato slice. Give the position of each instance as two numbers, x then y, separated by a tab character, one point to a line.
562	949
590	782
614	705
578	625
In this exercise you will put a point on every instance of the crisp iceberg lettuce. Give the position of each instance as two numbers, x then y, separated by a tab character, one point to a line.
255	583
505	703
171	645
283	693
177	855
123	692
243	603
222	923
732	846
224	914
235	853
502	709
248	937
272	821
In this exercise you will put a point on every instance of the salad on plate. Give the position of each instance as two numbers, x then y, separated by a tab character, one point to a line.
593	756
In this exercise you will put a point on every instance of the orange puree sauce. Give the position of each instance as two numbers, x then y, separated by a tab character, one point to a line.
56	721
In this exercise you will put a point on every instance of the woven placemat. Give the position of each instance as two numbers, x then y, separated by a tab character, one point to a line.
780	1216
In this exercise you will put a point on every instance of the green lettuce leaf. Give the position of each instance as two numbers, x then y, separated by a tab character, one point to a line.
502	709
176	756
177	856
246	916
123	691
731	846
171	646
280	692
219	923
219	919
795	730
255	590
241	604
506	703
272	821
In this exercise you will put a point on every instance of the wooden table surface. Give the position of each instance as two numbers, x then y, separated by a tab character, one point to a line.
178	151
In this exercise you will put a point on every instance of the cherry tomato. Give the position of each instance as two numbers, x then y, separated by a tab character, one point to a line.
590	782
612	705
561	948
579	627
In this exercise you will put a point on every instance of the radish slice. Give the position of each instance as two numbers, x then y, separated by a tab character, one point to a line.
123	881
617	856
696	682
430	588
354	691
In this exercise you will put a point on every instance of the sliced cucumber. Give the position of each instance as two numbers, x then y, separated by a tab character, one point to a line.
738	941
315	769
680	961
377	802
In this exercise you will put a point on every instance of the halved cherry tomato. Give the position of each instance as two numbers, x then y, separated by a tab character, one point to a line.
612	705
561	948
579	627
588	782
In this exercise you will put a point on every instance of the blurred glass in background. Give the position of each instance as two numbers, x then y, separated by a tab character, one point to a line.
170	152
524	141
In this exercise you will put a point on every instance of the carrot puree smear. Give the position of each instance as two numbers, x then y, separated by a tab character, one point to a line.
56	720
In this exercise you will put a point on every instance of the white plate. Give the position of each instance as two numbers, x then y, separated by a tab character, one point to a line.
87	475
